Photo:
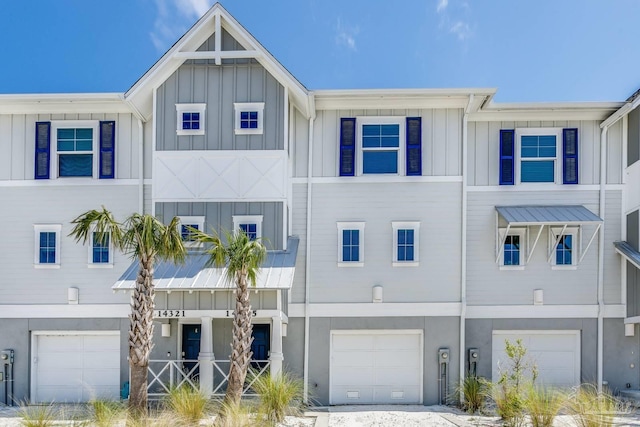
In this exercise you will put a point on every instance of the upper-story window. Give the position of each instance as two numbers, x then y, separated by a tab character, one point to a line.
75	149
249	118
513	248
47	245
100	250
380	145
405	243
190	119
187	225
539	155
251	225
565	253
350	244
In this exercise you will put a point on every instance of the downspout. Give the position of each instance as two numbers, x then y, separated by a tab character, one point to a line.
463	258
603	178
307	281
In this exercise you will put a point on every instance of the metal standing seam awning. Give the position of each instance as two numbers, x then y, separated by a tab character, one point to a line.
553	215
628	252
276	273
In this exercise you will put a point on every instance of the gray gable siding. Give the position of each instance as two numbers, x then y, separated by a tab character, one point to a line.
633	141
219	215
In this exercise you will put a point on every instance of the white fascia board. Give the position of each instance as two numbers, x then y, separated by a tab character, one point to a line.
64	103
436	309
71	311
539	115
543	311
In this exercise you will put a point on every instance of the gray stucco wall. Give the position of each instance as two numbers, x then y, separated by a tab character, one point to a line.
621	356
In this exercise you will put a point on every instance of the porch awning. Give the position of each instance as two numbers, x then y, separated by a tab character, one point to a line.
276	273
548	215
628	252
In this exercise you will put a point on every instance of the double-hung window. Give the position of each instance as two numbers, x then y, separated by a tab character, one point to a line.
512	256
565	246
100	250
251	225
47	245
381	148
187	223
249	118
190	119
350	244
405	243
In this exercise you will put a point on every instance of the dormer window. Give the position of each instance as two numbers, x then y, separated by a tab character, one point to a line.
190	119
249	118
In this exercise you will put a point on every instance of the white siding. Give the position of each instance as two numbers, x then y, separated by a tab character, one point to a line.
299	144
435	206
300	229
612	233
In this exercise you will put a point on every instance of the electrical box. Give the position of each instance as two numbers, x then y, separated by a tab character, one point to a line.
6	357
474	355
443	355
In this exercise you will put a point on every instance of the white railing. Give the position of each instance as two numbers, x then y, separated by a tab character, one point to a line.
167	374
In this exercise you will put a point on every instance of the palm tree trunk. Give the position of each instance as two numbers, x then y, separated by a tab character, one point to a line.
241	343
140	335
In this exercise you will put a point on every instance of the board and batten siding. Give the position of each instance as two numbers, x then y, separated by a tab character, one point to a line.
218	300
18	134
219	216
20	282
612	233
299	228
441	139
488	285
435	205
299	145
219	87
484	145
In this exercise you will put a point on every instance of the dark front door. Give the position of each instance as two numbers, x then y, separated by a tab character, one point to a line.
190	347
261	343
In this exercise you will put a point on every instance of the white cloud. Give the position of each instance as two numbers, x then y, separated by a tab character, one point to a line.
442	5
173	18
455	18
462	30
346	36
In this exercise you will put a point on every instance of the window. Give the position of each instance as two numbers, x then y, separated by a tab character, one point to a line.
350	244
190	119
248	118
47	246
187	222
565	247
100	250
538	158
513	249
250	224
405	243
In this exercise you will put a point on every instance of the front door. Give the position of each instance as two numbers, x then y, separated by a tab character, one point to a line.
190	348
261	343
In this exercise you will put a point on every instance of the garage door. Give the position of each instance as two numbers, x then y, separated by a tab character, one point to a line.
75	366
371	367
555	353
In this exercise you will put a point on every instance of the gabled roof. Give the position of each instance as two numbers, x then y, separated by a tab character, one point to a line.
140	95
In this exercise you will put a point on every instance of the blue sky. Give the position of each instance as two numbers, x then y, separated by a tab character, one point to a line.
536	50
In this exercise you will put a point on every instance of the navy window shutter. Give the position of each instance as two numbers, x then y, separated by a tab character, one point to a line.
570	156
43	150
107	149
347	147
414	146
507	158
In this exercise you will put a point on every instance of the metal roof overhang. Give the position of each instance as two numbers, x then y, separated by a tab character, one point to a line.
276	273
628	252
553	215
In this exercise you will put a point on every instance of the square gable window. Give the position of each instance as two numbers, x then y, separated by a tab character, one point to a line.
251	225
186	224
190	119
249	118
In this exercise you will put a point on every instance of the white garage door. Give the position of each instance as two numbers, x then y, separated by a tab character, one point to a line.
75	366
371	367
555	353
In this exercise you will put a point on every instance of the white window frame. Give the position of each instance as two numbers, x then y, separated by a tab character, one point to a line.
190	108
46	228
241	107
109	263
557	169
576	240
248	219
524	245
406	225
387	120
74	124
191	220
351	225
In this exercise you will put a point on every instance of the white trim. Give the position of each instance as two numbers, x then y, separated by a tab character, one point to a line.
386	120
190	108
46	228
55	311
94	125
90	263
406	225
342	226
541	187
557	160
248	219
436	309
82	182
198	221
543	311
377	179
248	107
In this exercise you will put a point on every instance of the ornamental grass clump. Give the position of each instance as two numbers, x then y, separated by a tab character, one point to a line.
107	413
38	415
187	402
543	405
474	391
279	396
592	409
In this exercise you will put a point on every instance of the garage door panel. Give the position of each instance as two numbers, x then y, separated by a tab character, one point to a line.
352	342
352	395
399	395
52	377
353	375
560	357
394	342
390	358
397	376
102	377
100	360
353	358
101	343
58	343
60	394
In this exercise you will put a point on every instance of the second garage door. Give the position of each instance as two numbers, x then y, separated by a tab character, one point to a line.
373	367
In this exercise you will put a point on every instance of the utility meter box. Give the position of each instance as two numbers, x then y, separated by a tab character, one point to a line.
474	355
6	357
443	355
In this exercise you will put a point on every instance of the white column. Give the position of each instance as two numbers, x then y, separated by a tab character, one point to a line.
206	356
276	357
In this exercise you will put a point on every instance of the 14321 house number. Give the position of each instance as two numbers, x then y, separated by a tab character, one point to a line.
169	313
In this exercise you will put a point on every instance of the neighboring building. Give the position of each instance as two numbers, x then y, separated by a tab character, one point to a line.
410	231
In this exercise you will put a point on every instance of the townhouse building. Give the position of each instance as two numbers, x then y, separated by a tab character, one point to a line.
410	232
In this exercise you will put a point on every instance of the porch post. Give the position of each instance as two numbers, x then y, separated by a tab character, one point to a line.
206	356
276	357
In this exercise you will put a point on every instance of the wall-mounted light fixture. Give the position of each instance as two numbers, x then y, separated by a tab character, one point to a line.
166	330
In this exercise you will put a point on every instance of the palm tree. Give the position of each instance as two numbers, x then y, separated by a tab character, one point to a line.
145	238
243	258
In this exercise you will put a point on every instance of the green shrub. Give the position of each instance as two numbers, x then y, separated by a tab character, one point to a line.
474	392
38	415
234	415
592	409
187	402
543	405
278	396
106	413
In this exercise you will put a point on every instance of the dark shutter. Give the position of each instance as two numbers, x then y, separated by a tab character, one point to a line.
43	148
414	146
347	147
107	149
507	157
569	156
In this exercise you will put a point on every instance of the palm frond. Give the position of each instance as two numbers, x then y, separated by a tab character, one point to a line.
99	221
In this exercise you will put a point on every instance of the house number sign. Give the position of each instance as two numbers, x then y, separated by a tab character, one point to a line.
169	313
